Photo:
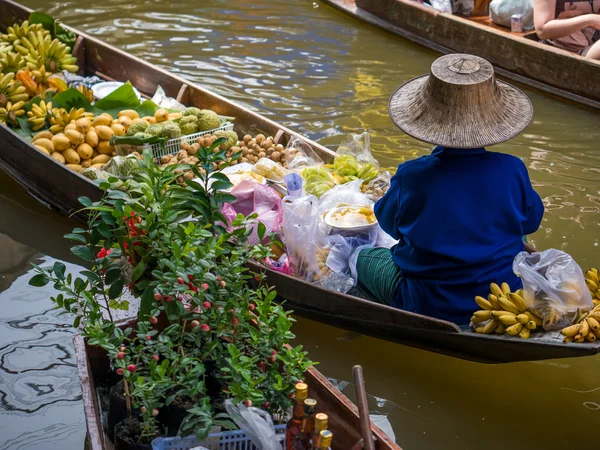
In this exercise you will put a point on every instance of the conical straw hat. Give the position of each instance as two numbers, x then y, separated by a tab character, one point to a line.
460	105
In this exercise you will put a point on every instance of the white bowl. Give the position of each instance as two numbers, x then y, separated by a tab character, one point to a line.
329	219
101	90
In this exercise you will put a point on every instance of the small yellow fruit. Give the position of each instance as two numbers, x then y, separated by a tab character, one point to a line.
593	323
42	134
75	137
505	289
590	337
495	289
85	151
46	143
483	303
161	115
518	302
71	156
490	326
129	113
524	333
85	164
42	149
118	129
58	157
508	320
91	138
507	305
75	167
125	121
515	329
60	142
531	325
579	338
535	318
483	314
84	125
98	166
104	132
174	116
71	126
494	301
500	329
102	119
585	328
105	148
100	159
522	318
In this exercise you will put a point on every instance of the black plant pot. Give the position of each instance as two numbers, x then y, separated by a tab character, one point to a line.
175	414
117	408
124	441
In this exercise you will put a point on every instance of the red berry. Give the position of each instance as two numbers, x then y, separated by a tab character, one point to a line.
248	403
121	355
195	323
251	306
180	280
123	348
206	305
235	321
148	338
179	298
219	277
205	328
154	412
143	409
222	283
257	277
274	352
204	286
119	371
155	357
291	395
153	319
158	296
266	405
131	368
168	299
191	277
193	288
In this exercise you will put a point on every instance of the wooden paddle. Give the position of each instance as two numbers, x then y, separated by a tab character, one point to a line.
363	410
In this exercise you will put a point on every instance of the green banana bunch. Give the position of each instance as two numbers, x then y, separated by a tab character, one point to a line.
11	91
11	62
345	165
10	112
53	55
367	172
38	114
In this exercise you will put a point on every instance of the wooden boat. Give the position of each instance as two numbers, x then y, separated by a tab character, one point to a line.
59	188
93	366
520	57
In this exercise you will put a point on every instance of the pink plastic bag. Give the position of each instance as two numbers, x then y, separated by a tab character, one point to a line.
256	198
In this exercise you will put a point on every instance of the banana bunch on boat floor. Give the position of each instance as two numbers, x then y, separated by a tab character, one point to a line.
504	312
593	283
585	329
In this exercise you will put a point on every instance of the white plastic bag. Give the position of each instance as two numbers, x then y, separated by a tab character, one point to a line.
359	146
344	194
257	424
442	5
501	12
298	155
553	286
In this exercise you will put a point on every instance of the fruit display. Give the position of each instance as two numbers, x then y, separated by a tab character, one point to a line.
269	169
504	312
593	283
317	180
182	157
255	148
585	328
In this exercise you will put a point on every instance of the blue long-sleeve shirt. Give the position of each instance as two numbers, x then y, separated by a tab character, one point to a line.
459	216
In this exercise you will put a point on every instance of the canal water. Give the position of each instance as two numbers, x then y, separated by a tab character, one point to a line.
324	75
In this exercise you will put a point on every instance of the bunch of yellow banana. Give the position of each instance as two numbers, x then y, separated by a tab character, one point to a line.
32	41
593	283
17	32
585	329
60	118
38	114
11	91
88	93
504	312
54	55
10	112
11	62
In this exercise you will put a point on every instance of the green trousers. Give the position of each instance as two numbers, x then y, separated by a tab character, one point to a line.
378	275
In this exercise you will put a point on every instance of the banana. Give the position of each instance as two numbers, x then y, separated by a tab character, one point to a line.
571	331
500	328
592	286
483	314
568	339
534	317
37	116
595	271
585	328
11	91
593	324
490	326
519	302
524	333
522	318
508	320
590	337
10	112
495	289
11	62
520	293
494	301
591	276
483	303
579	338
507	305
515	329
498	313
594	315
531	325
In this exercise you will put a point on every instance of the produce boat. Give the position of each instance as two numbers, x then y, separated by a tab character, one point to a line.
59	187
93	366
520	57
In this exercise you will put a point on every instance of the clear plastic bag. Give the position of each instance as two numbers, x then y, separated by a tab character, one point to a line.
162	100
359	146
442	5
553	287
298	155
269	169
377	187
257	424
501	12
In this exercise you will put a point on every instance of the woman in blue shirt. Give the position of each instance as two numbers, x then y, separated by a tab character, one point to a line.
459	214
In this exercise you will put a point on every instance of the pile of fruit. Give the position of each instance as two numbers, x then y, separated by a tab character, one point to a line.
28	59
504	312
586	326
593	284
255	148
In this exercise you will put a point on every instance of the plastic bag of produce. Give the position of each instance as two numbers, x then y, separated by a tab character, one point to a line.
256	198
553	286
317	180
302	236
256	423
378	186
344	194
163	101
298	155
281	265
269	169
122	166
359	146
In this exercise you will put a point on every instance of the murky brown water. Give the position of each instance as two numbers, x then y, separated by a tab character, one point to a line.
323	74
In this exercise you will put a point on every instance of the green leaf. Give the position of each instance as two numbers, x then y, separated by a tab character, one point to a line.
116	289
39	280
146	304
72	98
75	237
221	185
87	203
59	270
93	277
77	321
139	269
121	98
44	19
112	275
83	252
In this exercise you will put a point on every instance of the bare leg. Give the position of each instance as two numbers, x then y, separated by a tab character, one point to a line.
593	51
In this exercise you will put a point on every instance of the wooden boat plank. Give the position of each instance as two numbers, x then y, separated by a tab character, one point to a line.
517	58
